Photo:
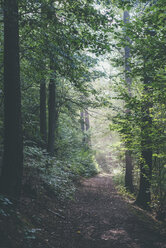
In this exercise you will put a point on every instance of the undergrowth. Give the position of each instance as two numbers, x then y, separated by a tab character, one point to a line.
60	176
15	228
118	179
45	179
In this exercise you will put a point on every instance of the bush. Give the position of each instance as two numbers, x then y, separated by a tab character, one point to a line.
41	170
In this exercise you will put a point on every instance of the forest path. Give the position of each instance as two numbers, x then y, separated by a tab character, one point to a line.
100	218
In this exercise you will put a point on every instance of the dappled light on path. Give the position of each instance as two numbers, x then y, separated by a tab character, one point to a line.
100	218
97	217
118	234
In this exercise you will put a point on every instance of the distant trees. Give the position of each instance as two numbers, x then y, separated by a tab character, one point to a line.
85	126
63	52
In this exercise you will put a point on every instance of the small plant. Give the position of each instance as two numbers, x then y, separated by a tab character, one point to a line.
6	206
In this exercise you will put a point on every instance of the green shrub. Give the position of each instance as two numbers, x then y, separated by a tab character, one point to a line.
58	175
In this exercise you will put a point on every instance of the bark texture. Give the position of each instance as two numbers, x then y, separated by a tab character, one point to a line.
128	172
52	112
51	117
43	118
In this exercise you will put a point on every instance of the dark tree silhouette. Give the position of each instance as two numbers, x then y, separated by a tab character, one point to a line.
43	118
10	183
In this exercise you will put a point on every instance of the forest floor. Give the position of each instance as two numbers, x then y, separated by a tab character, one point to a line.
98	218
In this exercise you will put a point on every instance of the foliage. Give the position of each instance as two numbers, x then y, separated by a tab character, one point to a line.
142	126
58	175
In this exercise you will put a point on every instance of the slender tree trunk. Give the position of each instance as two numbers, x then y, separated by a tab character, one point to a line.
82	115
43	90
11	176
43	118
87	126
128	158
144	195
128	172
82	121
51	112
87	123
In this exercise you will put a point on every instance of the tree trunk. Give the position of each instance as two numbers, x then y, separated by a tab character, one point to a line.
82	115
144	195
43	118
87	123
52	112
82	121
51	118
43	90
128	172
128	158
11	176
87	126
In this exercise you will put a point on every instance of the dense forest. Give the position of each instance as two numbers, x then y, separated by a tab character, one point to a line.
82	95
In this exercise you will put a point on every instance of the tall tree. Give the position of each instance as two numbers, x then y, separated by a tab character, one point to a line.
87	123
43	90
10	183
82	121
51	111
87	126
144	194
128	158
43	117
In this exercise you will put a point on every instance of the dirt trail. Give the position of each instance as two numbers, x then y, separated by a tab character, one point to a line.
100	218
